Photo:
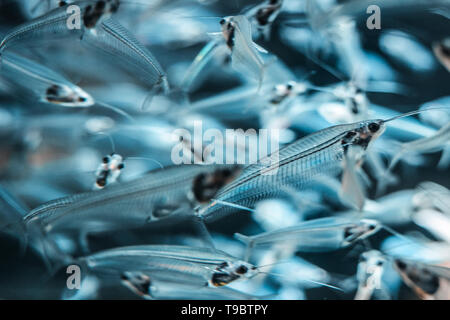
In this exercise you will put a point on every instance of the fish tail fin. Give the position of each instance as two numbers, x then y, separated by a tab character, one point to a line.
386	178
264	68
394	161
159	88
248	241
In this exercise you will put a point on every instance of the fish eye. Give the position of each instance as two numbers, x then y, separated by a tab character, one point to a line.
372	227
221	279
348	233
241	269
100	5
120	166
350	134
105	160
374	127
101	183
53	90
401	265
379	263
222	21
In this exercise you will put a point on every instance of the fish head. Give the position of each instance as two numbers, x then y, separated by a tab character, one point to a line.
231	271
363	135
243	269
68	96
360	230
370	267
418	277
228	28
220	279
267	13
116	162
100	10
206	184
137	282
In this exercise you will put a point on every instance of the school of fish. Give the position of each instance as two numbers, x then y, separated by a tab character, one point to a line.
205	149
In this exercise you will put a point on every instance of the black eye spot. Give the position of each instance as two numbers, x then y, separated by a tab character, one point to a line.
100	5
226	172
222	21
374	127
400	264
445	50
53	90
348	232
350	134
221	279
105	160
241	270
121	166
289	86
101	182
371	227
379	263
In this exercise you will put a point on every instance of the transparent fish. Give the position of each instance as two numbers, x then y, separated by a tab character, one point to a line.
319	235
54	24
42	83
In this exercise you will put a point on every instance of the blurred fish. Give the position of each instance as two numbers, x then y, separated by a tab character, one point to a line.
295	165
200	266
151	287
429	282
54	24
394	43
41	83
237	33
319	235
158	195
113	39
433	143
263	15
442	52
369	274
